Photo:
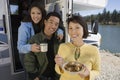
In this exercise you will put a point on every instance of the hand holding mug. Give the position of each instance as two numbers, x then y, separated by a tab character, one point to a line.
35	48
43	47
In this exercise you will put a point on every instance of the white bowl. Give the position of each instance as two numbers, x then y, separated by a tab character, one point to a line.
73	67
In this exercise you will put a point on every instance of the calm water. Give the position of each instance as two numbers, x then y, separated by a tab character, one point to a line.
110	38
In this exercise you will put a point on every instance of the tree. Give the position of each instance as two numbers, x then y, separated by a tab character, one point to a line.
114	16
108	17
104	16
100	18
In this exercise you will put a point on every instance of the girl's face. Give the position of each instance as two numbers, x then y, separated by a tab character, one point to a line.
75	31
36	15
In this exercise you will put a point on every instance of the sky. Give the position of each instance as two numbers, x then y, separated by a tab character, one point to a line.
111	5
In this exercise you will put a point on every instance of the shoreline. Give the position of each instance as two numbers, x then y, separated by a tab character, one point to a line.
110	66
107	51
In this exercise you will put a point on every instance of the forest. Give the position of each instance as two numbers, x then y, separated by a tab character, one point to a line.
106	17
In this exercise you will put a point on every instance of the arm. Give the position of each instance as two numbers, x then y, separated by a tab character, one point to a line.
30	64
95	66
59	61
23	37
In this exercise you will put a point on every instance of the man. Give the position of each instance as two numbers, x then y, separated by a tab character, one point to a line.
40	65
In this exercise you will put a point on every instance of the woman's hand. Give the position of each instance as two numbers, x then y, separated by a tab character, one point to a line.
35	48
85	73
59	60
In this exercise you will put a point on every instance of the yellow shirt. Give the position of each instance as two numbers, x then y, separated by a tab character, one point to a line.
89	56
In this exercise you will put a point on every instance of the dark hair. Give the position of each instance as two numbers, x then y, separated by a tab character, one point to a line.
40	7
53	14
79	19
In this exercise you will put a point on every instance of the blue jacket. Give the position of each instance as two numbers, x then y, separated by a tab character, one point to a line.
25	32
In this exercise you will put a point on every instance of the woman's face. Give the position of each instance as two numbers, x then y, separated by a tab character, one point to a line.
75	31
36	15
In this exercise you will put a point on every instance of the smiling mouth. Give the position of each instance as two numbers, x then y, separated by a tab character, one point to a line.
51	30
74	36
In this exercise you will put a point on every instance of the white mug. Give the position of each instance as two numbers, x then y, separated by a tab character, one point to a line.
43	47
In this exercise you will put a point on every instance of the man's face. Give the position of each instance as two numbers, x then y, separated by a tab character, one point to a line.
51	25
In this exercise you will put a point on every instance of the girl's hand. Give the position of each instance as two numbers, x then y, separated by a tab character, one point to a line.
59	60
85	73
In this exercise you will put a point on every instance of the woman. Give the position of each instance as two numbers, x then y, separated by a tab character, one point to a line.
89	54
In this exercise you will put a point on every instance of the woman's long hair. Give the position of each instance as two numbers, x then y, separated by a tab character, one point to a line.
40	6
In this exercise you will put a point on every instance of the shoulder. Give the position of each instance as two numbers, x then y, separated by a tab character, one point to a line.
66	45
90	49
36	37
26	25
89	46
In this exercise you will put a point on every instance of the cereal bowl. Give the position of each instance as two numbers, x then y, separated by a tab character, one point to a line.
73	67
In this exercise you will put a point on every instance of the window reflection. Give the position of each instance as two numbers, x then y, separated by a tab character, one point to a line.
14	9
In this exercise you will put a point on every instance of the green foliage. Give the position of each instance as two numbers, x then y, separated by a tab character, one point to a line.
106	17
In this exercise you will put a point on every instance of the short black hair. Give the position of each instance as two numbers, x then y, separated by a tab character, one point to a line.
79	19
53	14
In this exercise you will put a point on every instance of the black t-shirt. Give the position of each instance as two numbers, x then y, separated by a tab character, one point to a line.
50	71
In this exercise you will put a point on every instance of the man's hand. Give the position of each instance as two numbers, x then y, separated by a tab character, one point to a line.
35	48
36	78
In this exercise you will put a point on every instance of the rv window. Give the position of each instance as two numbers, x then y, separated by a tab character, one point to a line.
51	1
14	9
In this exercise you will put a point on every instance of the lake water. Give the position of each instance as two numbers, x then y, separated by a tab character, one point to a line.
110	38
